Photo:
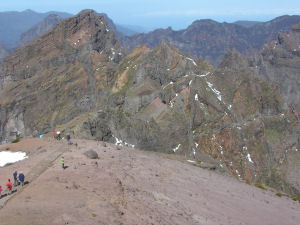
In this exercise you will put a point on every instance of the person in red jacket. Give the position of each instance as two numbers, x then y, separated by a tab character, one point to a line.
54	134
9	186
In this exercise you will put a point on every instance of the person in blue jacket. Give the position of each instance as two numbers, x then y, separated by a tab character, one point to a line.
15	174
21	178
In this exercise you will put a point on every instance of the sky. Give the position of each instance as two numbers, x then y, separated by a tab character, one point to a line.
161	14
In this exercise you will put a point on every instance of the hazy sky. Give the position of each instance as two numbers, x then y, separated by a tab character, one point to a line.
163	13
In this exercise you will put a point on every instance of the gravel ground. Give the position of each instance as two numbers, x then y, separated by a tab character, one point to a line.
129	186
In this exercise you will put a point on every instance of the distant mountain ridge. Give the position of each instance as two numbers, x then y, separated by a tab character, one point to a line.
211	40
246	23
13	23
39	29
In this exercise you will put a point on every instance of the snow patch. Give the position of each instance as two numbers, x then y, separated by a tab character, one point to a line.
168	85
191	161
122	143
249	158
175	149
192	61
196	97
11	157
210	85
203	75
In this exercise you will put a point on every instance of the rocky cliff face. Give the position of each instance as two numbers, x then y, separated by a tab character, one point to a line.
39	29
57	76
279	63
211	40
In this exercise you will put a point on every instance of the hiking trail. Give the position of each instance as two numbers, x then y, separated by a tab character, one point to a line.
34	173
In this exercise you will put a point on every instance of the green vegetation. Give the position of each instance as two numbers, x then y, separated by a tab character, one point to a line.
296	198
17	140
261	186
94	215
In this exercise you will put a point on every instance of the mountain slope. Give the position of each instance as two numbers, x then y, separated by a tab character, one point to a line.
57	76
279	63
163	100
211	40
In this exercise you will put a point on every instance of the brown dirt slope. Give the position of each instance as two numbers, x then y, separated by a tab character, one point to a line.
128	186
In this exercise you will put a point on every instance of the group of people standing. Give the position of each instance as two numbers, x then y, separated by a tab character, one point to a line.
18	180
57	135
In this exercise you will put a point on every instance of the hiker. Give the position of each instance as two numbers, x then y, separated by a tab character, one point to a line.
69	139
15	174
21	178
54	134
9	186
0	191
58	135
62	162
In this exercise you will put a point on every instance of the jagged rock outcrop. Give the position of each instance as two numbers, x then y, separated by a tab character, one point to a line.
279	63
57	76
211	40
39	29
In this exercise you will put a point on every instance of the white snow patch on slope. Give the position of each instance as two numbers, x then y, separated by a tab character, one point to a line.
196	97
11	157
203	75
122	143
175	149
192	61
191	161
218	93
249	158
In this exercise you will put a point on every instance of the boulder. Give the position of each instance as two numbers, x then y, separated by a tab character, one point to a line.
91	154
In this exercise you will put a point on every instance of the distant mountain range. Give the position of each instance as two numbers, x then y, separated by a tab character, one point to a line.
39	29
211	40
205	39
13	24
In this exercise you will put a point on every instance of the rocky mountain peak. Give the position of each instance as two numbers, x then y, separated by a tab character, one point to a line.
234	60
